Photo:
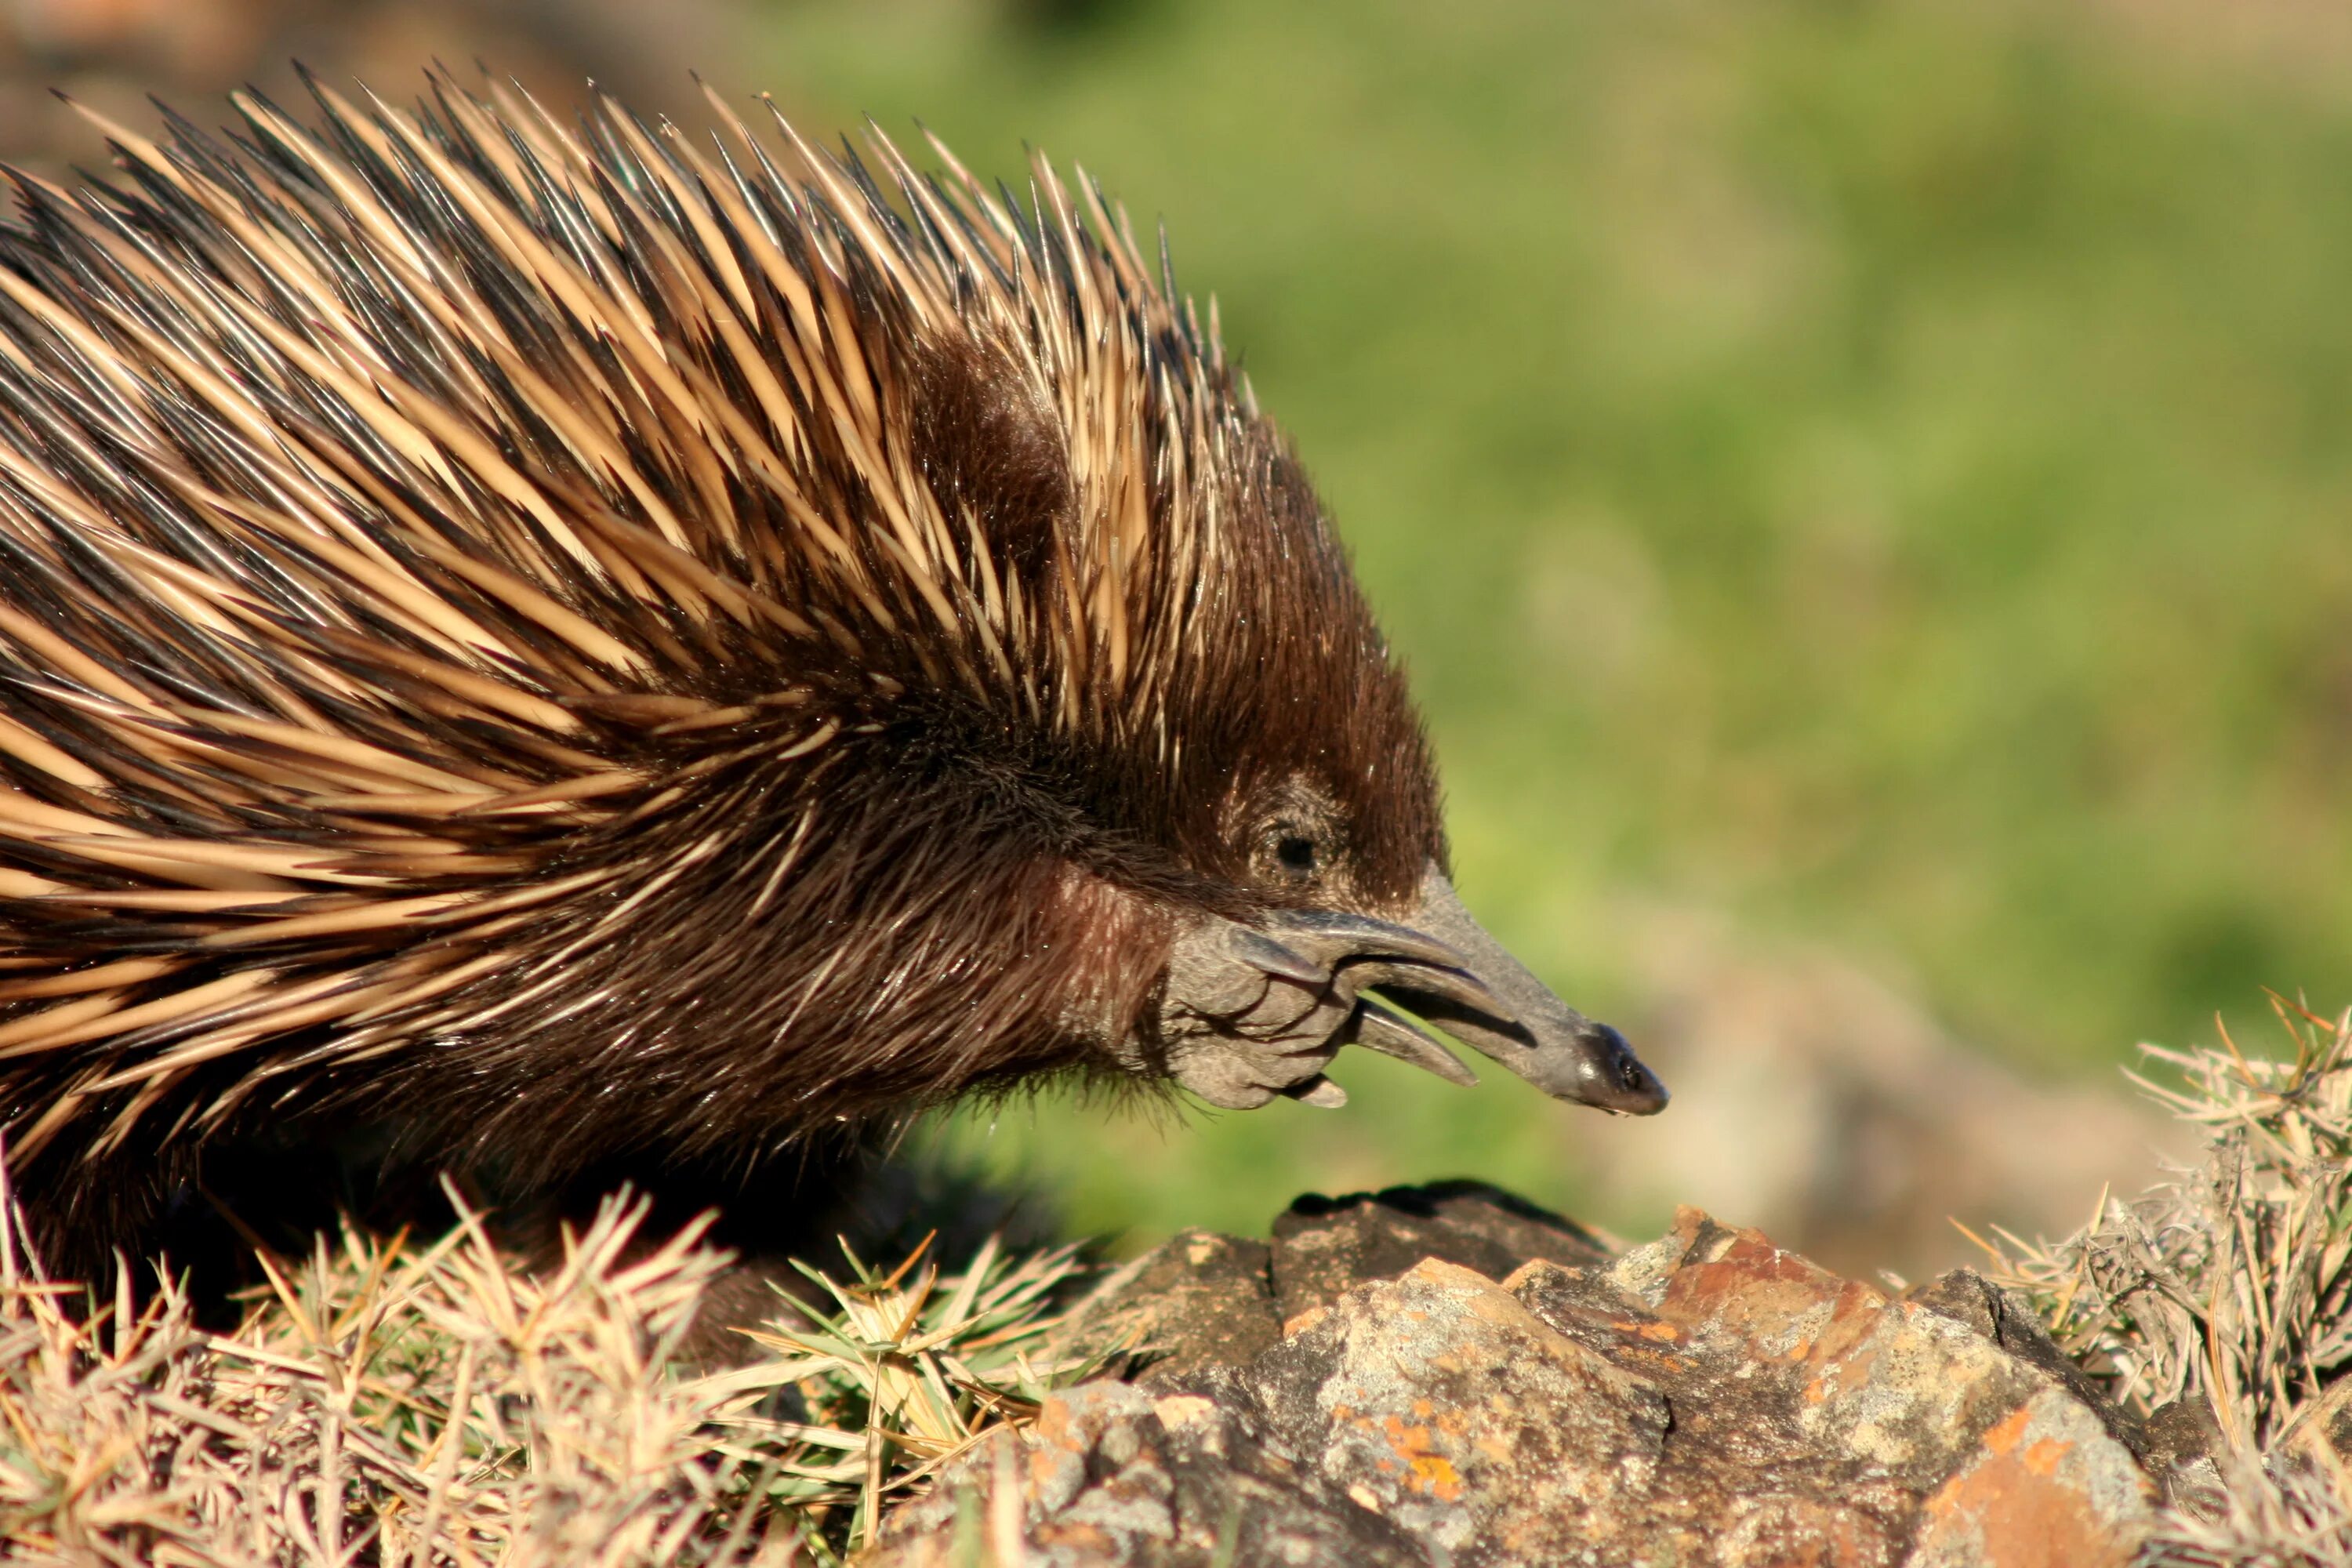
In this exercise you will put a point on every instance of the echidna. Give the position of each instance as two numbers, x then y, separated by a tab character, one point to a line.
566	643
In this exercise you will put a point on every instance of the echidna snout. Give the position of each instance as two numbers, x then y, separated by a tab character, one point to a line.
1252	1011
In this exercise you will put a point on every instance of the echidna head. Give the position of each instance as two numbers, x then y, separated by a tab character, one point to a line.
1305	799
1258	1007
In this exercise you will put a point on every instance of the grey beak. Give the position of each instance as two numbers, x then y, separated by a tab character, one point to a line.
1546	1041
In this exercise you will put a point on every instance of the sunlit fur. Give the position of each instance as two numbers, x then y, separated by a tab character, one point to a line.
566	642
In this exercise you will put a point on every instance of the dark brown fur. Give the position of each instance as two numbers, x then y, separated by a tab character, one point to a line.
848	859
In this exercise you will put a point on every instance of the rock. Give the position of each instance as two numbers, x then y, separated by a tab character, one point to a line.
2184	1433
1902	1435
2003	1317
2040	1490
1705	1399
1441	1401
1198	1300
2187	1449
1112	1474
1324	1247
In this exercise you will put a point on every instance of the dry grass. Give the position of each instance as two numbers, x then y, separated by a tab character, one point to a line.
402	1405
390	1404
2219	1300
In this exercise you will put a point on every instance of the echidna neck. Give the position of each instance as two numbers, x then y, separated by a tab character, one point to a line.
920	918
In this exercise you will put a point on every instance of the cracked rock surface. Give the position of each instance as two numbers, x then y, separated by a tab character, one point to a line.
1449	1376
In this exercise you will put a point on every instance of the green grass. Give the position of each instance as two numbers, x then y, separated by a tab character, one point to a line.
1878	470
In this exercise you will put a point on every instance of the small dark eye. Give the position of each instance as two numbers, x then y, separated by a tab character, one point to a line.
1296	854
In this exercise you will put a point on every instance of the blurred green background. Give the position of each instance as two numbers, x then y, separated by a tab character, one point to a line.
1880	471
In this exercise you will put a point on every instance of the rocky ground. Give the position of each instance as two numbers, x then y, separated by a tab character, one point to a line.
1448	1375
1432	1375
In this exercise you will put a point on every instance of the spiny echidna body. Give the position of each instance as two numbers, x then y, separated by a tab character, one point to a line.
571	643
